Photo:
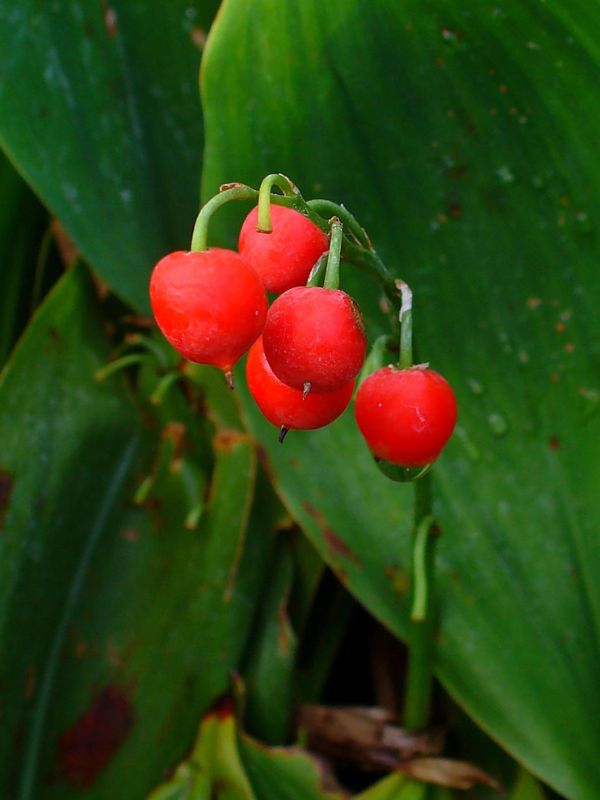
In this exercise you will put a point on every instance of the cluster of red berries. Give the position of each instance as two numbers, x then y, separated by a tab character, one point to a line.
306	349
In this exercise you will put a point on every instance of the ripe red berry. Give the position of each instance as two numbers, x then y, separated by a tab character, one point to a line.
284	257
210	305
286	407
405	415
314	336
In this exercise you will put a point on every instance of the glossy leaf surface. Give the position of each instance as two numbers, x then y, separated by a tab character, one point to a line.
52	417
120	623
455	144
99	111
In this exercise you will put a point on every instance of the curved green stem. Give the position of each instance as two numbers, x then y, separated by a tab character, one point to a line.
362	254
121	363
406	348
421	639
327	208
288	188
369	261
164	385
233	192
332	272
239	191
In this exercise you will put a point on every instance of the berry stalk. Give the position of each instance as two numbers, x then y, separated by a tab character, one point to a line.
332	271
327	208
288	189
229	192
421	638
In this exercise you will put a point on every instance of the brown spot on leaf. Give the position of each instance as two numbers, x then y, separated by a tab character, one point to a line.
398	576
86	748
7	481
110	19
457	172
283	634
226	439
174	432
554	443
198	37
339	547
80	649
454	209
30	682
66	247
53	342
335	544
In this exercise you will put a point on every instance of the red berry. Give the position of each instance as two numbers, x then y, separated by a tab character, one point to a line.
314	335
405	415
210	305
284	257
286	407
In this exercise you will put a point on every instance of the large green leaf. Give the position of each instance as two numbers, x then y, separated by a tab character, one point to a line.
119	623
453	135
99	111
53	418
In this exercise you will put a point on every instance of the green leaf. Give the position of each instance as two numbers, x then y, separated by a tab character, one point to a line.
119	624
98	110
438	126
270	663
171	609
53	514
279	773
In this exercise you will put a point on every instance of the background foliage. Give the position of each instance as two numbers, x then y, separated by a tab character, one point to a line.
458	137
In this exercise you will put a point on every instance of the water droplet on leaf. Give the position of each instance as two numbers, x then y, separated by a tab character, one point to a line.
498	425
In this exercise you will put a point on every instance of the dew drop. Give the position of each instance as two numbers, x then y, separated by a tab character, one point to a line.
498	425
584	225
505	174
475	386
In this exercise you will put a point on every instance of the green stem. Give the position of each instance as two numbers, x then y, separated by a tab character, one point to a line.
369	261
406	348
200	232
421	639
332	272
327	208
121	363
238	191
159	350
421	588
164	385
264	198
